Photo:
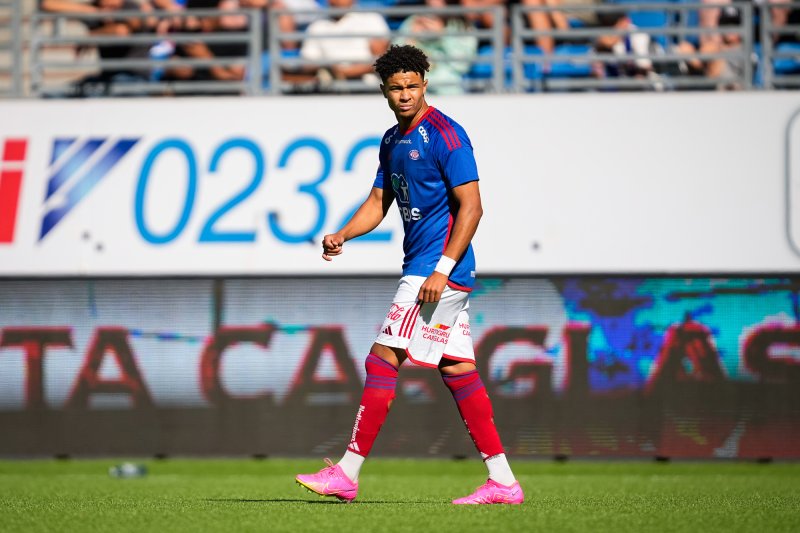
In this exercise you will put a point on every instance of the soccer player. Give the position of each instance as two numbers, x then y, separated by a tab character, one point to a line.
427	167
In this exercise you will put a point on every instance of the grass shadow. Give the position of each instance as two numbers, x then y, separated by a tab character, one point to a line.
320	501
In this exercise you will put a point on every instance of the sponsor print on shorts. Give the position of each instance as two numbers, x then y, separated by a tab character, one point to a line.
436	333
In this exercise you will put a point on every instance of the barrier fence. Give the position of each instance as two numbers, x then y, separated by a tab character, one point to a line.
762	56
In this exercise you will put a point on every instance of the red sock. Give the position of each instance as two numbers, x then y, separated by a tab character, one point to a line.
476	411
375	401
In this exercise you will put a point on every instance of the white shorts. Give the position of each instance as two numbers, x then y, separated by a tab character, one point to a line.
428	332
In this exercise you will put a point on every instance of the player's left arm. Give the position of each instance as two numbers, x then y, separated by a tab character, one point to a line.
468	214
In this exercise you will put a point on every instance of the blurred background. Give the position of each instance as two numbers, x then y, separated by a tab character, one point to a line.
168	170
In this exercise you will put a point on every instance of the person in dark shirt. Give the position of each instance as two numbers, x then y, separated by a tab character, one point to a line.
233	22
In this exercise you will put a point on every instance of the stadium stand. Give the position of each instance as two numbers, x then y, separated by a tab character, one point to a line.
39	50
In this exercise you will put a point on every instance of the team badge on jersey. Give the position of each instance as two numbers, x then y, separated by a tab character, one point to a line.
414	154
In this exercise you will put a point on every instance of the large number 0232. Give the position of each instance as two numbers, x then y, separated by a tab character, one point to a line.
210	231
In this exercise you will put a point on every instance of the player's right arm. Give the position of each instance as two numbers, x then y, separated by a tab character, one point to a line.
365	219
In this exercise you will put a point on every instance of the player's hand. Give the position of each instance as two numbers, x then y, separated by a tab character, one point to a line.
332	246
432	288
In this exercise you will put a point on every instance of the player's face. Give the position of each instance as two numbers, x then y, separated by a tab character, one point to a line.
405	92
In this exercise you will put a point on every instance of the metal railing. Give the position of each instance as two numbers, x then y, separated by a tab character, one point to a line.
784	56
11	83
145	84
509	59
493	36
557	70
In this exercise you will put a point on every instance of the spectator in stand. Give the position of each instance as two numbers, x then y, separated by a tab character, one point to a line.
556	19
710	18
726	69
311	11
445	75
233	22
110	25
486	19
66	6
729	41
351	55
632	42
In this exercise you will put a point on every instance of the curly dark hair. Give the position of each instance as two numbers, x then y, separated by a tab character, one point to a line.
402	58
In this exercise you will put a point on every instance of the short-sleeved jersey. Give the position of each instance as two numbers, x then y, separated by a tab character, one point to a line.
421	166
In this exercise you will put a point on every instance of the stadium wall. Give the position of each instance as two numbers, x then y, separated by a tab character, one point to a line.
639	294
684	183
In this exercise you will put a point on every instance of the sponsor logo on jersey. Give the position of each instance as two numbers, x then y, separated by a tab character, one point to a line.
424	133
400	188
403	141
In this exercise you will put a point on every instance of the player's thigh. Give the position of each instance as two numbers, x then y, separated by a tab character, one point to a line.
399	321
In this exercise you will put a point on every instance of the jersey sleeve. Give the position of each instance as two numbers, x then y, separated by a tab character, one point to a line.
382	155
459	166
378	177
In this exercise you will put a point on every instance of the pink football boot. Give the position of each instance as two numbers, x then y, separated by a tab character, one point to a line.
330	481
493	492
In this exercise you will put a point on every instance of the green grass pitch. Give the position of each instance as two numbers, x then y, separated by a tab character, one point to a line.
398	495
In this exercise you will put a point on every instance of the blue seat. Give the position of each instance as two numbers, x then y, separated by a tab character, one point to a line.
647	18
266	61
787	65
483	71
574	67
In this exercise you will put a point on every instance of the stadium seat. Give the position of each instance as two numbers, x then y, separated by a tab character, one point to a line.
574	67
266	61
483	71
647	18
787	65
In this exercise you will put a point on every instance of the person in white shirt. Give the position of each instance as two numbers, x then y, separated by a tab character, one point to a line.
351	41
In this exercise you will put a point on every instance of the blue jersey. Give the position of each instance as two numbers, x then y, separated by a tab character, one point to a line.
421	166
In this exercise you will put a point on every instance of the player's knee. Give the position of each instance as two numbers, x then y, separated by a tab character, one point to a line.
449	368
393	356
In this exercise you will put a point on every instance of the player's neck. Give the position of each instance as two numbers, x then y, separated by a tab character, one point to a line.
407	124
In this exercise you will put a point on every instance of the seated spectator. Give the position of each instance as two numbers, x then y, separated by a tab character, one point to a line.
311	12
66	6
485	19
111	25
233	22
556	19
445	75
632	42
336	40
725	68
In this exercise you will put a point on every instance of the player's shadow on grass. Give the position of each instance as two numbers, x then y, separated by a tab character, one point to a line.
299	500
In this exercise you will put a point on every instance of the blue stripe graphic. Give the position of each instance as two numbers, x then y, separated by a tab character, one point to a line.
59	147
86	182
73	164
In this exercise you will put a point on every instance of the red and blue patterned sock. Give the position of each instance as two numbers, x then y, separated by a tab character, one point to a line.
476	411
375	402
